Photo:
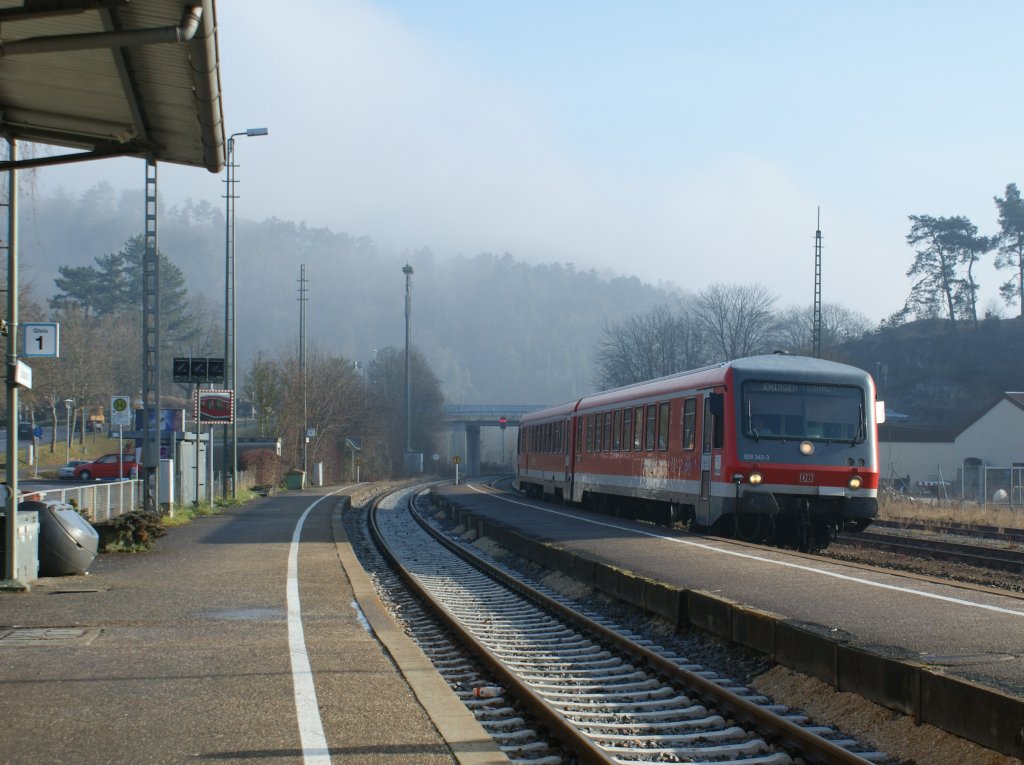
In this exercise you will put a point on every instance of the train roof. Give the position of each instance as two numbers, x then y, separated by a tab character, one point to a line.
775	366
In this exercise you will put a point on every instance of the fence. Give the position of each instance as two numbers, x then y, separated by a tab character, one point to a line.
99	502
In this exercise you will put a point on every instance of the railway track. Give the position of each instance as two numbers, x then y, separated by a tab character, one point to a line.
994	533
605	694
893	538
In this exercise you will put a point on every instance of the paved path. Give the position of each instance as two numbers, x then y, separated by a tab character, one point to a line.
196	652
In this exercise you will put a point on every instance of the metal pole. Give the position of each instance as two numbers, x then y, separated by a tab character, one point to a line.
11	550
229	295
302	367
195	397
230	338
407	270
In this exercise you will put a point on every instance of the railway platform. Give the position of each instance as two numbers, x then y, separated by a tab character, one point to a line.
950	655
249	636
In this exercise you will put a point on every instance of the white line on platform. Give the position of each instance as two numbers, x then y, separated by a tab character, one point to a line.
749	556
311	729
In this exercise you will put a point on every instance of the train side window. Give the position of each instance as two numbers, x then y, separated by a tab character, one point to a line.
706	439
599	432
578	435
590	432
608	416
627	429
638	428
558	437
663	419
689	423
652	426
617	432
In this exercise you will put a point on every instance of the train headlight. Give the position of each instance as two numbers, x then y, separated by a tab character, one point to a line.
854	482
806	448
756	478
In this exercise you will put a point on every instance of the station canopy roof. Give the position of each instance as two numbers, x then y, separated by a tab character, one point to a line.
113	78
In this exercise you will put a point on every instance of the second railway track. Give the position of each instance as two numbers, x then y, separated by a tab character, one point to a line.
606	694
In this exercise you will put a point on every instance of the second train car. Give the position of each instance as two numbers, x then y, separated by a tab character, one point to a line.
776	449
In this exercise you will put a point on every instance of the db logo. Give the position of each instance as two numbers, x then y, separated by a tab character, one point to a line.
807	478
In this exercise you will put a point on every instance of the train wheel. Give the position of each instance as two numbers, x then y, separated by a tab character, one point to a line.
747	526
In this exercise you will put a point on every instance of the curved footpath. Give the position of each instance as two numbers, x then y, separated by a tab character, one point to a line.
205	648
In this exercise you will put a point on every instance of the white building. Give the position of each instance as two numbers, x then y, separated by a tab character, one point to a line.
988	454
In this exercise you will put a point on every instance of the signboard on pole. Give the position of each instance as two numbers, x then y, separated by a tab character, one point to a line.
121	411
215	407
41	339
186	369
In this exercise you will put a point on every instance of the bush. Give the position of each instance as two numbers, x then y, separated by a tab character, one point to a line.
265	467
132	532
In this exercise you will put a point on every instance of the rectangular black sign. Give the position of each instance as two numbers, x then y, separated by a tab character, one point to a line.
198	370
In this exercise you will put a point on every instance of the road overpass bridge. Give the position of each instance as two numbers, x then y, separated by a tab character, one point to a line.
465	422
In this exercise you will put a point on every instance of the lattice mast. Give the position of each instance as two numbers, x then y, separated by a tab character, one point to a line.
816	330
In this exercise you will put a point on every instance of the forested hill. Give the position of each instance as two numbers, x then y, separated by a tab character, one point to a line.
493	328
942	375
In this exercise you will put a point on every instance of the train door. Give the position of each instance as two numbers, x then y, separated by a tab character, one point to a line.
567	441
710	454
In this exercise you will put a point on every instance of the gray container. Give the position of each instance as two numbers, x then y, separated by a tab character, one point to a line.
67	542
26	546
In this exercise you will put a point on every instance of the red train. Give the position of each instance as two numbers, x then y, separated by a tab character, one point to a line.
777	449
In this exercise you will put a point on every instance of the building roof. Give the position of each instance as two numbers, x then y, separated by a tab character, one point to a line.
112	77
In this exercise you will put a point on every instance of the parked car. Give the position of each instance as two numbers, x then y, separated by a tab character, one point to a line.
106	467
67	472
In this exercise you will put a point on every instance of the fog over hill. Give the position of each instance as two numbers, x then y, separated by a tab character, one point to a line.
494	329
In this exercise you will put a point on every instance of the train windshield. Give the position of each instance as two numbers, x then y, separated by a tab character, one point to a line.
814	411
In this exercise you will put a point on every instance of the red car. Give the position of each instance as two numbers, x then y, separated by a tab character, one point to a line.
106	467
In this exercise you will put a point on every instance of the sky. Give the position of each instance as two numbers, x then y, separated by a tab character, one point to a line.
678	141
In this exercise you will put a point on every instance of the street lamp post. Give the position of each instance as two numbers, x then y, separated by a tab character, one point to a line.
69	404
407	270
230	354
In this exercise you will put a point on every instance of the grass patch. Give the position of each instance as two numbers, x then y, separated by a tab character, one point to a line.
951	511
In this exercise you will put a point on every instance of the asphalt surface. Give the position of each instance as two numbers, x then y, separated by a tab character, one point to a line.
182	654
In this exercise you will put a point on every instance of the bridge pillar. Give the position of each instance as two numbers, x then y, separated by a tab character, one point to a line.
457	446
472	461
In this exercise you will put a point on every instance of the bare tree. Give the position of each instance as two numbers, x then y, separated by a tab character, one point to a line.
386	379
265	387
737	320
648	345
795	327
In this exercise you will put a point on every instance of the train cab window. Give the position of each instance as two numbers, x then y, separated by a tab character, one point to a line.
608	431
689	423
627	429
590	432
663	418
617	432
638	428
817	411
652	426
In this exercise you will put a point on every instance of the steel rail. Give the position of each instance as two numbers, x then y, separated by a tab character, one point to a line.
560	728
811	746
998	533
937	549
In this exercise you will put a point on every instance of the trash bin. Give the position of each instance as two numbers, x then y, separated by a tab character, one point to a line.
295	480
67	542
